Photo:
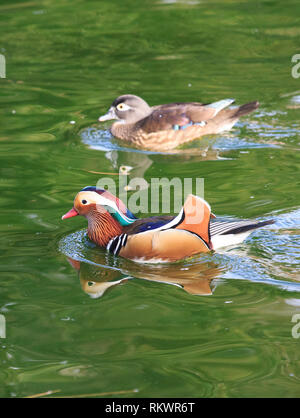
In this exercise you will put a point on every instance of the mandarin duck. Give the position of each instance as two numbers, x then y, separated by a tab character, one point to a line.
165	238
165	127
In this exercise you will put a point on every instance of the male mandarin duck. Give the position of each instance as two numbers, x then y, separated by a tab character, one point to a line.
164	127
160	238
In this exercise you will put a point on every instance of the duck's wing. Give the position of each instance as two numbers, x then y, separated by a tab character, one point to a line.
195	218
181	115
147	224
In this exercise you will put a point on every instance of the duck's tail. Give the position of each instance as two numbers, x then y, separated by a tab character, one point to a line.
227	118
245	109
220	105
224	233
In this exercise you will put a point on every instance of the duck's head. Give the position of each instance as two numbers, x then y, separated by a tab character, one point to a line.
128	109
91	201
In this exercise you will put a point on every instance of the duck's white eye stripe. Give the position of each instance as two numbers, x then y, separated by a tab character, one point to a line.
123	106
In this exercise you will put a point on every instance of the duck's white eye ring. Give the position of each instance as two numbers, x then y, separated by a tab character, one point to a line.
123	106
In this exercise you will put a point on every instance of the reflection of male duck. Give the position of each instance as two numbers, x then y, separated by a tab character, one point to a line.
195	279
96	280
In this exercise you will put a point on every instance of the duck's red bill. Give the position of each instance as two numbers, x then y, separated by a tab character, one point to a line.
70	214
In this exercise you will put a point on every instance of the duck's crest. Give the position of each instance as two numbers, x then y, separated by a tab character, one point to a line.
114	205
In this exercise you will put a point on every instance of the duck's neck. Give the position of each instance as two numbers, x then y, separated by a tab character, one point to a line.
102	227
121	129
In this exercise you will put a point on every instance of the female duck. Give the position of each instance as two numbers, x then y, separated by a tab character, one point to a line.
160	238
164	127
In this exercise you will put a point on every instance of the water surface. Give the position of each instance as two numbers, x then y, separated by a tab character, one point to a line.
81	322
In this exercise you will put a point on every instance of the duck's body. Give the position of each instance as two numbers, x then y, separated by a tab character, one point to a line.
165	127
158	239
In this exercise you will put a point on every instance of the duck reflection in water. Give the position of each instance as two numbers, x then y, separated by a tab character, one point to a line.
194	278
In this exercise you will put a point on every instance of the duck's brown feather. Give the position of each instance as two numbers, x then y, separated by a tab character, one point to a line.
165	117
166	245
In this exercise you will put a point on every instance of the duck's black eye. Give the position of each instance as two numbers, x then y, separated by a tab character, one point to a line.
84	202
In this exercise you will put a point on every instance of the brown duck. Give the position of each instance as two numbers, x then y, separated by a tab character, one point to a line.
165	127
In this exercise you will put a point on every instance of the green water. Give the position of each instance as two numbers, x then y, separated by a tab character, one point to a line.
67	61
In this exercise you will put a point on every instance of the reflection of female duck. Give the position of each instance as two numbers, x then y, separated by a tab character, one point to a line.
135	165
193	278
139	162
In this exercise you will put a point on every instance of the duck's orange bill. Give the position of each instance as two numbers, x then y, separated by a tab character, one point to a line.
70	214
